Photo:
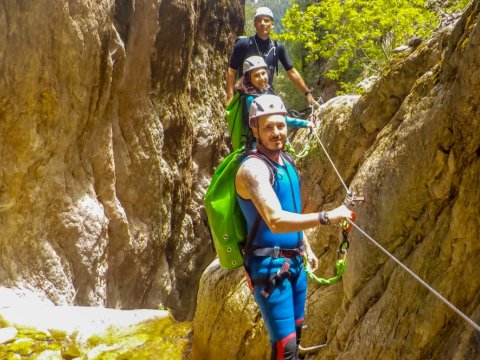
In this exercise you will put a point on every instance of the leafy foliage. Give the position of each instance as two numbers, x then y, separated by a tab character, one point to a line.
358	36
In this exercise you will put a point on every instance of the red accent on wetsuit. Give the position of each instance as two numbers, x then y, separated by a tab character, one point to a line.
282	343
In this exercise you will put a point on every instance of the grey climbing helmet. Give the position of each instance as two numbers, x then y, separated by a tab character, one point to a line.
265	105
264	11
254	62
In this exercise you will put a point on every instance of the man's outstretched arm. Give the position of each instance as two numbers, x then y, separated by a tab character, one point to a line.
300	84
253	182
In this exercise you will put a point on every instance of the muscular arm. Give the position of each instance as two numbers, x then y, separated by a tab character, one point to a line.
231	76
253	182
298	81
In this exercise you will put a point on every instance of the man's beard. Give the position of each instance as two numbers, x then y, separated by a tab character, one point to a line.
268	150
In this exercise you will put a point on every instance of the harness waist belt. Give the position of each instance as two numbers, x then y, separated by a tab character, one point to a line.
277	252
270	282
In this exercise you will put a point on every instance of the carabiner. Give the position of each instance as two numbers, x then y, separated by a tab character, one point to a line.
345	244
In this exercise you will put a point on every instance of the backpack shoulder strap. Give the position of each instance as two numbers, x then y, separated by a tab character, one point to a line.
272	169
248	248
275	60
289	158
241	37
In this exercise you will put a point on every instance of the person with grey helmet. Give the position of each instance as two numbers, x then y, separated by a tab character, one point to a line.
254	82
272	51
255	79
274	257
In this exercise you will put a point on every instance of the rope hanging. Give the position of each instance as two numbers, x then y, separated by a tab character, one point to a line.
403	266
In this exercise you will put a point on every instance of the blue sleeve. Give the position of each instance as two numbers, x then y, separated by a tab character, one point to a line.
248	102
284	58
295	123
238	54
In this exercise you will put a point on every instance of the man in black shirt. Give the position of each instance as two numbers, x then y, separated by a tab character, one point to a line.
272	51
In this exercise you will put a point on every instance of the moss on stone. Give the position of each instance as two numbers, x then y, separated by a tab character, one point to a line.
23	346
155	339
160	339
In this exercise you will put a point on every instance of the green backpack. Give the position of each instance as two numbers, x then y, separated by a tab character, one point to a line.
227	224
225	218
234	114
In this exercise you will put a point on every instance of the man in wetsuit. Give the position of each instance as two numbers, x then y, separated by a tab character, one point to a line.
272	51
268	191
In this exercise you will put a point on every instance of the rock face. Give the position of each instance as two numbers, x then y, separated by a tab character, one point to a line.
411	146
111	118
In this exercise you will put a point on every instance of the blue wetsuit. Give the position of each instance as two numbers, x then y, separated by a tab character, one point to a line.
283	308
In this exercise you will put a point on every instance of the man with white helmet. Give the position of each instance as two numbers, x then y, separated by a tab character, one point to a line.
268	192
272	51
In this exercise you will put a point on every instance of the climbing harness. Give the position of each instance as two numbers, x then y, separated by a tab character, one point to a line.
351	197
271	281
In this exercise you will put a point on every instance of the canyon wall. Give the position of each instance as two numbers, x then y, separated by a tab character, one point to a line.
111	118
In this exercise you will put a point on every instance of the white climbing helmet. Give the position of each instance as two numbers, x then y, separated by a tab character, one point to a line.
265	105
254	62
264	11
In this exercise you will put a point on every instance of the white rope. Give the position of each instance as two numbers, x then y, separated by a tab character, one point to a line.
415	276
418	278
311	348
333	165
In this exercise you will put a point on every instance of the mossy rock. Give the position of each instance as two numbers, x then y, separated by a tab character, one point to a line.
71	351
23	346
159	339
155	339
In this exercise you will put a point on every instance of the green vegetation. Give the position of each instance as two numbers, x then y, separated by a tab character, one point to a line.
356	37
346	40
155	339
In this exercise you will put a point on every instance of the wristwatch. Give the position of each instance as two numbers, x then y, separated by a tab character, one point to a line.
323	218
